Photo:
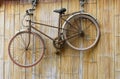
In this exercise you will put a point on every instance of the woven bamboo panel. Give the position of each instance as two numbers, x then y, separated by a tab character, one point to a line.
100	62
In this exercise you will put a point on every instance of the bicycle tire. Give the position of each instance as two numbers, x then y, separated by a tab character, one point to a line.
24	54
75	32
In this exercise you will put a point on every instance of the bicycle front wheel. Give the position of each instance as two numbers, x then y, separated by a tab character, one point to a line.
81	31
26	49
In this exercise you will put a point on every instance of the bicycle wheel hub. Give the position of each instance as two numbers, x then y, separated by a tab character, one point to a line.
26	49
82	34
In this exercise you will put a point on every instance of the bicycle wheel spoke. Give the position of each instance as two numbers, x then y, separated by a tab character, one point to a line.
87	38
22	40
72	36
26	56
88	26
80	21
88	32
36	55
72	25
76	22
21	49
16	59
71	30
18	41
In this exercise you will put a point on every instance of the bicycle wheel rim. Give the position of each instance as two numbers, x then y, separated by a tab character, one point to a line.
11	43
92	19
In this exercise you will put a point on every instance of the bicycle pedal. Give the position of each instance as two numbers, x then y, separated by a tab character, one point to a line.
58	52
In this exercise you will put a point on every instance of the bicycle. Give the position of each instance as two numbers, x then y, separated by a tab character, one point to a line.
80	31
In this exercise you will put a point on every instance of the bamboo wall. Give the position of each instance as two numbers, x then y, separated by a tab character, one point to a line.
101	62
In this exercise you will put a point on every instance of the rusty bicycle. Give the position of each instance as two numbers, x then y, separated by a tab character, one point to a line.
80	31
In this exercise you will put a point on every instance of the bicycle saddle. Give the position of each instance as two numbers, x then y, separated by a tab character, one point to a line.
60	11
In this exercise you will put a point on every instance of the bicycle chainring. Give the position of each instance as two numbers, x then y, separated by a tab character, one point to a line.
58	43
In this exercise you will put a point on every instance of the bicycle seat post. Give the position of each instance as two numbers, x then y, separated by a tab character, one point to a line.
59	25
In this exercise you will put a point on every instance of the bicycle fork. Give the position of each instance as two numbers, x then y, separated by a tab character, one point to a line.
29	30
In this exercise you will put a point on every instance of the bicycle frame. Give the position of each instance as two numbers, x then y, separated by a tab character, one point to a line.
59	27
80	31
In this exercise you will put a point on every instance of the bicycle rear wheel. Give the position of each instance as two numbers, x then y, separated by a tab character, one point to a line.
26	49
81	31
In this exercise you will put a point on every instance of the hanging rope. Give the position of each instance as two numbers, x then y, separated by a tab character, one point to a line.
82	2
34	3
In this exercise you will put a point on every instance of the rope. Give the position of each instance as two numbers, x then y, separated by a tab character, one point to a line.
34	3
82	2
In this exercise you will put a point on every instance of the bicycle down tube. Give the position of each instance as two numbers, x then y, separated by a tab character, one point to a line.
53	27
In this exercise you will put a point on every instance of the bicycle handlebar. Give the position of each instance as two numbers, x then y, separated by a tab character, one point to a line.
30	11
